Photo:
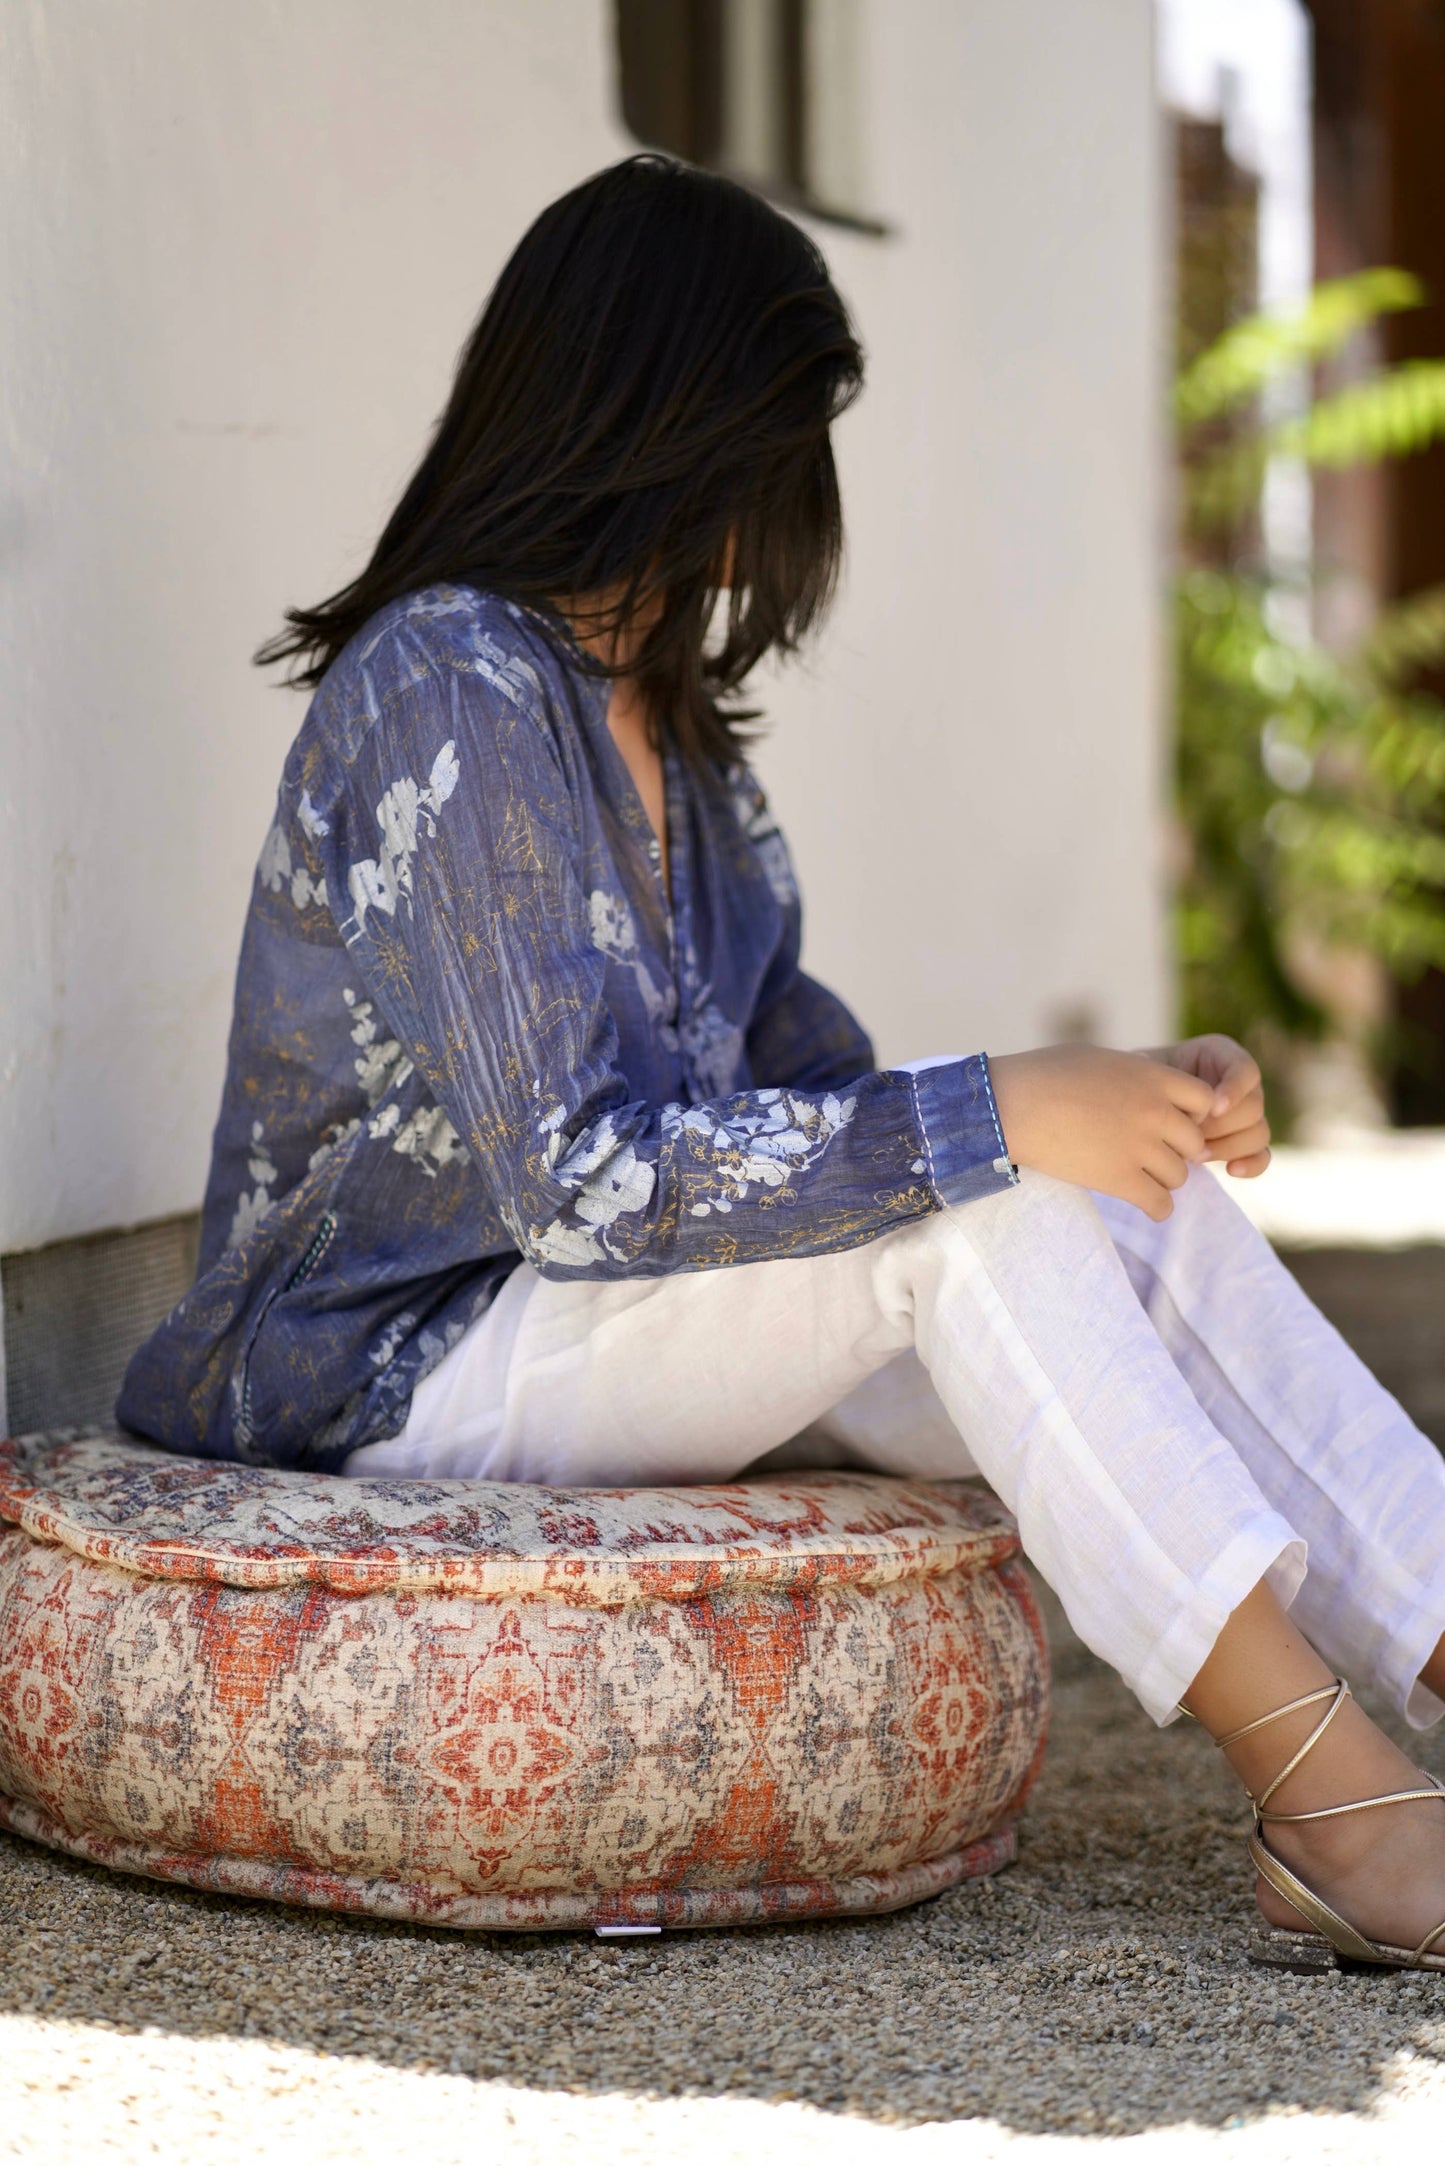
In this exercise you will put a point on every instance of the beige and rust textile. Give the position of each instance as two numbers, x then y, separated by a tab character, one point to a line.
492	1705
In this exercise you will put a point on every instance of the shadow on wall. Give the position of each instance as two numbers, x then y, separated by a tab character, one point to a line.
72	1314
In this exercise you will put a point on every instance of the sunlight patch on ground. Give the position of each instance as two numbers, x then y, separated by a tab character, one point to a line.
79	2092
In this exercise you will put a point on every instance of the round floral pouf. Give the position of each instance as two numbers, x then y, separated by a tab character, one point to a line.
489	1705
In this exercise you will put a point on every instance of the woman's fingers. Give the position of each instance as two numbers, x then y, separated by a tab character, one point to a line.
1244	1113
1245	1169
1151	1197
1166	1166
1222	1063
1239	1076
1190	1093
1185	1136
1240	1143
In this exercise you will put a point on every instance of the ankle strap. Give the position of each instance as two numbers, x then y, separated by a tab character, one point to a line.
1336	1694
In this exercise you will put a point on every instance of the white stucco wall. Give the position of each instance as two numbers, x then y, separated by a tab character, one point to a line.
971	774
239	247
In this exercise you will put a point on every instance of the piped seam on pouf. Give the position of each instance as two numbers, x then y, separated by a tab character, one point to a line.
578	1576
776	1902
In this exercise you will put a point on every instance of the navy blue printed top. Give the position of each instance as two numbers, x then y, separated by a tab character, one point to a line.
470	1028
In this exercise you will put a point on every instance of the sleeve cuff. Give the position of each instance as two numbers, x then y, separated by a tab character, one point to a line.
963	1141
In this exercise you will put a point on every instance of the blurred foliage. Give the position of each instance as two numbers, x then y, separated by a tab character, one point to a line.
1310	783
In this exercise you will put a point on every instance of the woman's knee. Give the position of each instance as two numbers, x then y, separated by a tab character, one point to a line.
1201	1210
1038	1211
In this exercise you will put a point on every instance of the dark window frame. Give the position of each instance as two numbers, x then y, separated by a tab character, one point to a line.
670	88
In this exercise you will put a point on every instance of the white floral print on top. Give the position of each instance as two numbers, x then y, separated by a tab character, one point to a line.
471	1029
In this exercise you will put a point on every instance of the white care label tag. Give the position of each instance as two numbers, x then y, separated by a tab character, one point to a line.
623	1932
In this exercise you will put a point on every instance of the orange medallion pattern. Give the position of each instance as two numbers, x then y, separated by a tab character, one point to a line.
493	1705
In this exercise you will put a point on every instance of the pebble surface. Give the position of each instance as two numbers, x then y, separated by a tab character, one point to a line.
1100	1989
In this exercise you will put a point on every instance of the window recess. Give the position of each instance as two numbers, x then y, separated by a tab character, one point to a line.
767	91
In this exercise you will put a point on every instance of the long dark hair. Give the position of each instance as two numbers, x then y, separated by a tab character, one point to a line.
643	407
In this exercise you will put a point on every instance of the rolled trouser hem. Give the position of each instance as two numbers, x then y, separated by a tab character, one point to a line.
1267	1548
1410	1649
1381	1629
1423	1708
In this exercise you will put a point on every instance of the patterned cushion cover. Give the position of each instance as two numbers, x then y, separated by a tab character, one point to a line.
479	1704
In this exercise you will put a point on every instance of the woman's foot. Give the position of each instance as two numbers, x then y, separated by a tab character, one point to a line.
1383	1871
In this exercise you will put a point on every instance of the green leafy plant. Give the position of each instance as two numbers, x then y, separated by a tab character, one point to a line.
1310	783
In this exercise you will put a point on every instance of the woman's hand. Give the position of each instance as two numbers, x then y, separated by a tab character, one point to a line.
1235	1127
1131	1124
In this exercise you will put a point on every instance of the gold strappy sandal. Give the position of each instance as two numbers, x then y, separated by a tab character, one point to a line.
1334	1939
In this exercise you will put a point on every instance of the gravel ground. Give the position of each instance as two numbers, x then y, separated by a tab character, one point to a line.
1100	1989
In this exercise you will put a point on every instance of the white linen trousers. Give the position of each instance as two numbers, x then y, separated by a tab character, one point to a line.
1167	1415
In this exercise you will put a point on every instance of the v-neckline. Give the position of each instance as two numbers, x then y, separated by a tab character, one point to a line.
661	850
673	894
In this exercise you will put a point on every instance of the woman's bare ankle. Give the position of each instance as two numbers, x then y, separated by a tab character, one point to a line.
1260	1664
